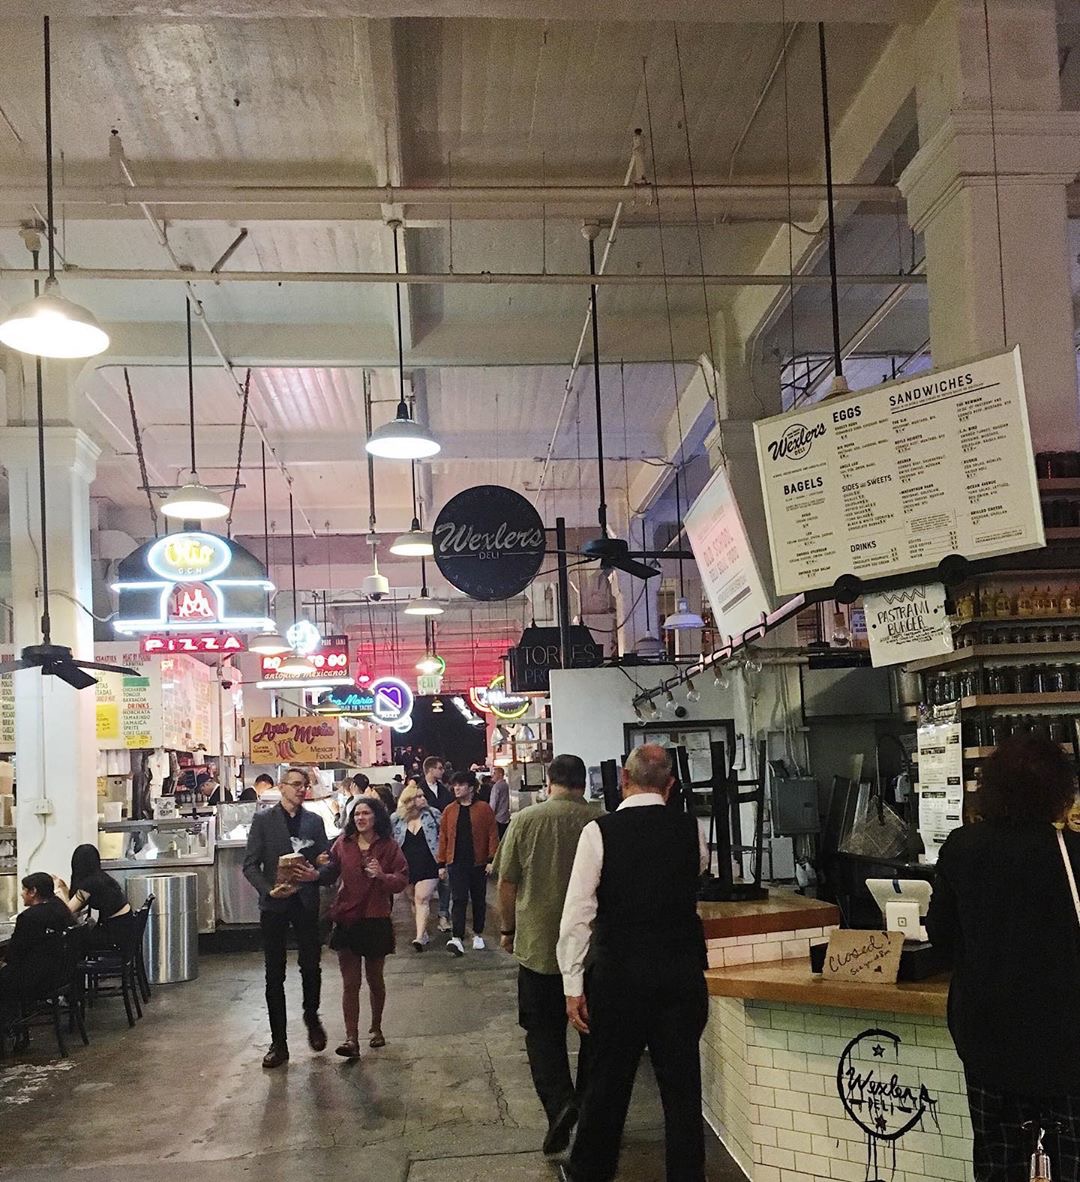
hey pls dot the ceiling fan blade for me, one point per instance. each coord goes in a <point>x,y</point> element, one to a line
<point>107,668</point>
<point>14,666</point>
<point>68,671</point>
<point>628,566</point>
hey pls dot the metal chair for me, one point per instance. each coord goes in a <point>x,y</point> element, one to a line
<point>142,917</point>
<point>120,967</point>
<point>63,1000</point>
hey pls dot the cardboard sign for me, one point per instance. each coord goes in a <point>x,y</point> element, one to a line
<point>863,958</point>
<point>906,624</point>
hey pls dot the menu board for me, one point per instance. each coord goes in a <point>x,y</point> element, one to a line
<point>125,714</point>
<point>306,738</point>
<point>941,775</point>
<point>187,713</point>
<point>7,704</point>
<point>725,558</point>
<point>896,478</point>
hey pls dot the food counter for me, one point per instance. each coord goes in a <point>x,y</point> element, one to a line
<point>811,1079</point>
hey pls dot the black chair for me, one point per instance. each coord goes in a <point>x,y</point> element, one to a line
<point>113,972</point>
<point>63,999</point>
<point>142,917</point>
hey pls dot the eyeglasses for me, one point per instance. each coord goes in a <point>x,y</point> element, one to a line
<point>296,783</point>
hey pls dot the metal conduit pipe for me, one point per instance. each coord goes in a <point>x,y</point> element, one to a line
<point>116,154</point>
<point>250,196</point>
<point>635,172</point>
<point>482,278</point>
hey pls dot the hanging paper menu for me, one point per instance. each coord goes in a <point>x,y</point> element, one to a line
<point>896,478</point>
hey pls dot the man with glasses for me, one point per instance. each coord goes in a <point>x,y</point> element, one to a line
<point>287,830</point>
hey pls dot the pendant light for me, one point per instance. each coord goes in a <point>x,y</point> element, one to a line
<point>272,643</point>
<point>417,542</point>
<point>403,438</point>
<point>839,383</point>
<point>193,501</point>
<point>423,605</point>
<point>682,617</point>
<point>295,664</point>
<point>50,325</point>
<point>375,585</point>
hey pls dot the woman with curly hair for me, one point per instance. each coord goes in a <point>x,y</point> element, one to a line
<point>371,870</point>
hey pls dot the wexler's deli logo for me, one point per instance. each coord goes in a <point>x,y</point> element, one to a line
<point>796,442</point>
<point>489,542</point>
<point>883,1097</point>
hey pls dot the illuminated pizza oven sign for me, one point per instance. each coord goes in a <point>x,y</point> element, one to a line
<point>189,556</point>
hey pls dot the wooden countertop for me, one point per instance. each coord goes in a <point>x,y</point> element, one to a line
<point>782,911</point>
<point>792,981</point>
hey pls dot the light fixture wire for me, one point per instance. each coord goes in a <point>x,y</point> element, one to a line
<point>191,387</point>
<point>834,291</point>
<point>997,178</point>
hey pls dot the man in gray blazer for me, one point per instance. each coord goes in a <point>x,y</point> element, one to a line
<point>288,828</point>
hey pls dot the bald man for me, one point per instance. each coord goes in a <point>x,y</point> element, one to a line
<point>632,904</point>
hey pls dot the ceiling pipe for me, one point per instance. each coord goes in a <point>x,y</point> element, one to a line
<point>120,164</point>
<point>481,278</point>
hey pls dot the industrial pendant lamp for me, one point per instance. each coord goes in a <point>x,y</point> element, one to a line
<point>423,605</point>
<point>403,438</point>
<point>682,617</point>
<point>193,501</point>
<point>295,664</point>
<point>49,325</point>
<point>272,643</point>
<point>417,542</point>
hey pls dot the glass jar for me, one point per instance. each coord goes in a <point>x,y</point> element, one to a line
<point>1000,729</point>
<point>1000,679</point>
<point>970,683</point>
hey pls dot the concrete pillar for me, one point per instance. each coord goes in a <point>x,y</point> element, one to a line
<point>56,747</point>
<point>953,200</point>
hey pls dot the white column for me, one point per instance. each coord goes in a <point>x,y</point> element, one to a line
<point>56,748</point>
<point>953,199</point>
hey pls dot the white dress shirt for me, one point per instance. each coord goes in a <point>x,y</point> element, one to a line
<point>579,910</point>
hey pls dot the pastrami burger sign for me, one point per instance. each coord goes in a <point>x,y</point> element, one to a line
<point>489,542</point>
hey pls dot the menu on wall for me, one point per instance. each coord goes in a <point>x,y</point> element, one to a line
<point>187,704</point>
<point>896,478</point>
<point>941,775</point>
<point>125,715</point>
<point>7,704</point>
<point>725,558</point>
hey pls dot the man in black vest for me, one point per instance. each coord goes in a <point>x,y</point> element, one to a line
<point>287,829</point>
<point>631,906</point>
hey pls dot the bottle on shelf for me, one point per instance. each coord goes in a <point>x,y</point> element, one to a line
<point>1002,603</point>
<point>1025,605</point>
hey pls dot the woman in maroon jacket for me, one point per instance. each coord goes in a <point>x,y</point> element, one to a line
<point>371,870</point>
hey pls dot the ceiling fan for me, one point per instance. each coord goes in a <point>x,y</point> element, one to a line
<point>54,660</point>
<point>612,553</point>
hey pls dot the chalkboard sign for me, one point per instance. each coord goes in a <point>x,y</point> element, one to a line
<point>489,542</point>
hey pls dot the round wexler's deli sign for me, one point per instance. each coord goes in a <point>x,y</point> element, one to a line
<point>489,542</point>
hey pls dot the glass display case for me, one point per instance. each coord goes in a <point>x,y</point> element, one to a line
<point>173,841</point>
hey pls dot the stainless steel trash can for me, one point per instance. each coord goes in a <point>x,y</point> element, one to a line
<point>171,945</point>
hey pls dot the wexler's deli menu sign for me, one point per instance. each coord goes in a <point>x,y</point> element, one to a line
<point>896,478</point>
<point>489,542</point>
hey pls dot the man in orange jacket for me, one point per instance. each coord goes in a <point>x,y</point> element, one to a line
<point>468,839</point>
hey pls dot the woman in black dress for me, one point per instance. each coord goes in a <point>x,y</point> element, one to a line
<point>93,890</point>
<point>416,828</point>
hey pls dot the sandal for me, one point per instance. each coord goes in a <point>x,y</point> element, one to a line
<point>348,1050</point>
<point>377,1039</point>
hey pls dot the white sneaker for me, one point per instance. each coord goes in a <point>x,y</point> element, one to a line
<point>478,943</point>
<point>444,924</point>
<point>455,946</point>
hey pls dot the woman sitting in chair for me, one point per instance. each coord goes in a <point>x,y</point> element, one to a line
<point>34,954</point>
<point>93,890</point>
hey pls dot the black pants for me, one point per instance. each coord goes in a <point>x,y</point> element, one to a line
<point>275,933</point>
<point>656,1002</point>
<point>542,1015</point>
<point>467,882</point>
<point>1002,1147</point>
<point>502,827</point>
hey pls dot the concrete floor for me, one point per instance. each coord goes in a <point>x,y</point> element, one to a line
<point>449,1097</point>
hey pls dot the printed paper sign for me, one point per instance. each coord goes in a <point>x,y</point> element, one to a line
<point>908,623</point>
<point>725,558</point>
<point>896,478</point>
<point>863,958</point>
<point>941,775</point>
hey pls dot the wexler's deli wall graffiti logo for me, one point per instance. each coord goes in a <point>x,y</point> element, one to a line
<point>884,1098</point>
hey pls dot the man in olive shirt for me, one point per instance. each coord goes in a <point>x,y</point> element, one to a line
<point>533,866</point>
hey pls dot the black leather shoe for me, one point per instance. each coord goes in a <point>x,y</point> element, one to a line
<point>275,1056</point>
<point>558,1134</point>
<point>316,1033</point>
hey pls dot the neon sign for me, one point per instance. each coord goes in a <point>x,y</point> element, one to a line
<point>494,699</point>
<point>393,700</point>
<point>210,642</point>
<point>304,637</point>
<point>330,666</point>
<point>353,703</point>
<point>189,556</point>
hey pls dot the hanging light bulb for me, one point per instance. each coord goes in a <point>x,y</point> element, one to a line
<point>268,644</point>
<point>692,693</point>
<point>754,663</point>
<point>430,664</point>
<point>194,502</point>
<point>416,543</point>
<point>683,617</point>
<point>423,605</point>
<point>650,710</point>
<point>296,665</point>
<point>403,438</point>
<point>50,325</point>
<point>670,705</point>
<point>720,677</point>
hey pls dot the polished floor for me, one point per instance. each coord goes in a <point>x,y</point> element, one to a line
<point>182,1096</point>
